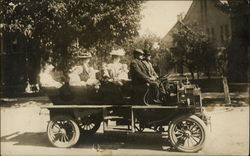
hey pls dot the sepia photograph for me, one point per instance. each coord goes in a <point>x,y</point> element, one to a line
<point>124,77</point>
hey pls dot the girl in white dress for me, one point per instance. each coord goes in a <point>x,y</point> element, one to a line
<point>46,79</point>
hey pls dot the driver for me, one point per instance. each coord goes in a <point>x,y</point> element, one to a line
<point>138,76</point>
<point>154,84</point>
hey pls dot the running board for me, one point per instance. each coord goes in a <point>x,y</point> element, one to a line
<point>108,130</point>
<point>112,117</point>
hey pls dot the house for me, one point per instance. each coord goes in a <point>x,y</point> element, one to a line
<point>209,18</point>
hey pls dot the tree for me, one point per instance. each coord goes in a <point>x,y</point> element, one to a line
<point>221,65</point>
<point>193,49</point>
<point>161,58</point>
<point>235,63</point>
<point>238,48</point>
<point>56,24</point>
<point>197,53</point>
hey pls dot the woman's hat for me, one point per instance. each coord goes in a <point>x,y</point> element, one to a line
<point>84,55</point>
<point>118,52</point>
<point>138,51</point>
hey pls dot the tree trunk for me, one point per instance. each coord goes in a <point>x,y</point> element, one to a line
<point>226,91</point>
<point>208,74</point>
<point>181,67</point>
<point>198,75</point>
<point>191,71</point>
<point>192,75</point>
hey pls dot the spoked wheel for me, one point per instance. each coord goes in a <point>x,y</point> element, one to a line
<point>63,131</point>
<point>89,125</point>
<point>187,133</point>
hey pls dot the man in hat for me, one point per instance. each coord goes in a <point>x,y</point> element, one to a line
<point>139,76</point>
<point>137,68</point>
<point>152,74</point>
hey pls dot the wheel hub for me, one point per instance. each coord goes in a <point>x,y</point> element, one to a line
<point>188,133</point>
<point>62,131</point>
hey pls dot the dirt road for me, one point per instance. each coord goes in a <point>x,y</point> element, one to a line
<point>23,132</point>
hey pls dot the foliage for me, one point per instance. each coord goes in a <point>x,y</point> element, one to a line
<point>56,24</point>
<point>193,49</point>
<point>237,51</point>
<point>146,41</point>
<point>161,58</point>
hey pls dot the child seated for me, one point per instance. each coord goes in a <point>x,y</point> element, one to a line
<point>46,79</point>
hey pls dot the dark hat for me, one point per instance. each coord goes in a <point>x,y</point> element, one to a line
<point>146,53</point>
<point>84,55</point>
<point>138,51</point>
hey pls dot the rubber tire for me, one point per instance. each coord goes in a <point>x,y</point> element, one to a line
<point>73,141</point>
<point>195,119</point>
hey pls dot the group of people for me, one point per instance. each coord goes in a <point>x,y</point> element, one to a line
<point>82,74</point>
<point>114,72</point>
<point>141,73</point>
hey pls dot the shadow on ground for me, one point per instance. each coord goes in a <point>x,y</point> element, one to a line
<point>24,102</point>
<point>29,138</point>
<point>98,141</point>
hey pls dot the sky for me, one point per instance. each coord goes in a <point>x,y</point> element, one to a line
<point>160,16</point>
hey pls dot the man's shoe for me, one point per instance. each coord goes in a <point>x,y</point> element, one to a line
<point>157,101</point>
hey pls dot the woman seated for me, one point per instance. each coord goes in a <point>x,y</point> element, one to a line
<point>116,72</point>
<point>83,74</point>
<point>115,76</point>
<point>74,77</point>
<point>46,78</point>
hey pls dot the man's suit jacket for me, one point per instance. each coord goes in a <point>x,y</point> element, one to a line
<point>150,69</point>
<point>138,72</point>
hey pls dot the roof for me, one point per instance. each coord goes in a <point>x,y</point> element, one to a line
<point>193,15</point>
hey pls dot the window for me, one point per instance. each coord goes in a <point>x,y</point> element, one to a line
<point>1,43</point>
<point>201,6</point>
<point>208,32</point>
<point>226,31</point>
<point>213,33</point>
<point>205,5</point>
<point>222,34</point>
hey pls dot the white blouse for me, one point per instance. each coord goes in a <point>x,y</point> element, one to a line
<point>116,71</point>
<point>75,80</point>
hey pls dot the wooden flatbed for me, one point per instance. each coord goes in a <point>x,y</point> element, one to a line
<point>105,107</point>
<point>114,106</point>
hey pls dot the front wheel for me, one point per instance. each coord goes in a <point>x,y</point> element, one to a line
<point>63,131</point>
<point>187,133</point>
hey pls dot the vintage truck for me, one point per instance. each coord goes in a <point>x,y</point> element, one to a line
<point>79,110</point>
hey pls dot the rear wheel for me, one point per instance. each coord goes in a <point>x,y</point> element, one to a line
<point>63,131</point>
<point>89,125</point>
<point>187,133</point>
